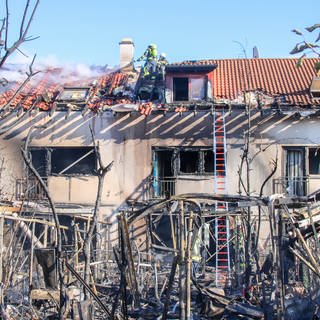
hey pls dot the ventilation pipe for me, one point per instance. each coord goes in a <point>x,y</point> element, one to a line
<point>255,52</point>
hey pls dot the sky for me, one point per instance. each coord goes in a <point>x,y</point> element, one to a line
<point>89,32</point>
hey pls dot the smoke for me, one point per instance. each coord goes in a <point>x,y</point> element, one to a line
<point>56,71</point>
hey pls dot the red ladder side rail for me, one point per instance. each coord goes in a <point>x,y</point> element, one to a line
<point>222,256</point>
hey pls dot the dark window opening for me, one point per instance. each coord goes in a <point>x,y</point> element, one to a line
<point>39,161</point>
<point>164,158</point>
<point>208,161</point>
<point>314,160</point>
<point>64,160</point>
<point>73,160</point>
<point>163,173</point>
<point>171,162</point>
<point>180,89</point>
<point>316,94</point>
<point>189,161</point>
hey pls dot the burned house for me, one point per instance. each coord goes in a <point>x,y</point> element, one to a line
<point>211,137</point>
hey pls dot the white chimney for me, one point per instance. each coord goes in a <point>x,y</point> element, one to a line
<point>126,54</point>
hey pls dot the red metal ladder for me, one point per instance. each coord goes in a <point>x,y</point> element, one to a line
<point>222,254</point>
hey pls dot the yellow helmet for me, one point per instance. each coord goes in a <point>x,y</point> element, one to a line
<point>153,46</point>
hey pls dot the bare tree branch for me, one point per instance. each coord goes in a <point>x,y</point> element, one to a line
<point>24,29</point>
<point>29,164</point>
<point>102,171</point>
<point>29,74</point>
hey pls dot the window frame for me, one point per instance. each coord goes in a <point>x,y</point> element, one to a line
<point>49,161</point>
<point>176,161</point>
<point>191,91</point>
<point>308,160</point>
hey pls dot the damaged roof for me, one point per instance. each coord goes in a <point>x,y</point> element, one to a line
<point>48,89</point>
<point>275,77</point>
<point>278,79</point>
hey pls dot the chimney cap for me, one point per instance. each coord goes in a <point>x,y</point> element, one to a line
<point>126,41</point>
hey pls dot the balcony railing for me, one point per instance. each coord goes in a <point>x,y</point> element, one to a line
<point>297,186</point>
<point>29,188</point>
<point>164,187</point>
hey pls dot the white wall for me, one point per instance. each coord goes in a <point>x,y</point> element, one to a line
<point>128,140</point>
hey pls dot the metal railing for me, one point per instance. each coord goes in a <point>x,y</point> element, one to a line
<point>29,188</point>
<point>292,186</point>
<point>164,187</point>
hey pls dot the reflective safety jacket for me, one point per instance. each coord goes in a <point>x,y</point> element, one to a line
<point>149,54</point>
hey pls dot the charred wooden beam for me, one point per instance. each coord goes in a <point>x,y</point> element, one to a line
<point>96,298</point>
<point>128,251</point>
<point>169,287</point>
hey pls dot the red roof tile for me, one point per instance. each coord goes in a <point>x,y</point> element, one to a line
<point>49,82</point>
<point>277,77</point>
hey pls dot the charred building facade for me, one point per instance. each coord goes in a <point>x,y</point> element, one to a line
<point>206,158</point>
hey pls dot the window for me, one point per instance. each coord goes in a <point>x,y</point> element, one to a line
<point>39,161</point>
<point>73,161</point>
<point>197,89</point>
<point>189,161</point>
<point>180,89</point>
<point>314,160</point>
<point>170,162</point>
<point>315,87</point>
<point>208,161</point>
<point>64,160</point>
<point>73,94</point>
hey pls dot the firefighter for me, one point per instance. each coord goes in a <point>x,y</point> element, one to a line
<point>150,55</point>
<point>162,62</point>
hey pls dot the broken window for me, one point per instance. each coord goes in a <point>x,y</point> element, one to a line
<point>39,161</point>
<point>78,160</point>
<point>314,161</point>
<point>208,159</point>
<point>180,89</point>
<point>189,161</point>
<point>163,172</point>
<point>170,162</point>
<point>64,160</point>
<point>73,94</point>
